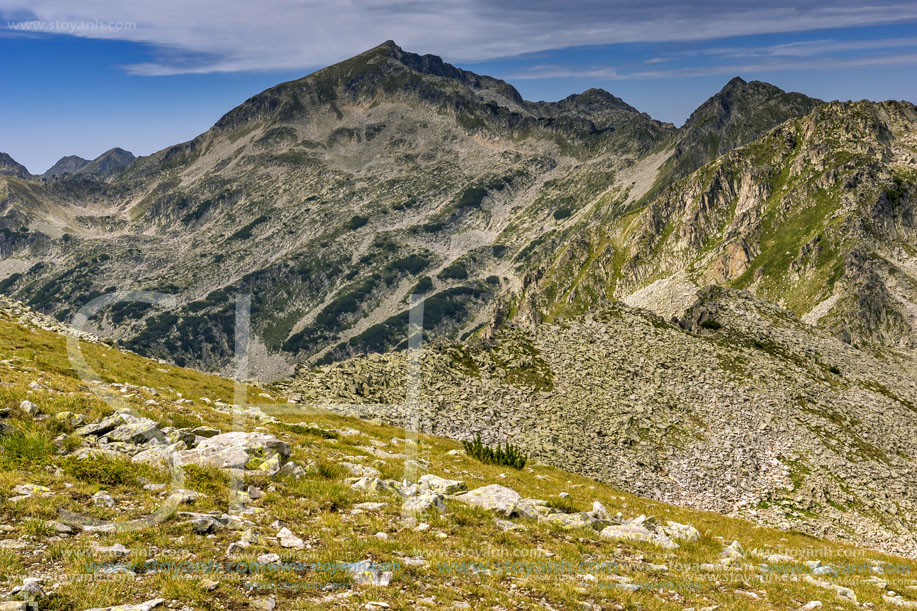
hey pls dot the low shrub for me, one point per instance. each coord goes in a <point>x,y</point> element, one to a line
<point>508,455</point>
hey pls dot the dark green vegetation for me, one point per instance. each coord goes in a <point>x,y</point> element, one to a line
<point>505,455</point>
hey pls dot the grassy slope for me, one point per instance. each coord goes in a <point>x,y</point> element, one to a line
<point>318,509</point>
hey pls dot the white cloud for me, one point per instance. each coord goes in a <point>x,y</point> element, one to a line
<point>232,35</point>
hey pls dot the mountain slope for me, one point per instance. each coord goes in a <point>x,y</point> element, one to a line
<point>739,113</point>
<point>332,198</point>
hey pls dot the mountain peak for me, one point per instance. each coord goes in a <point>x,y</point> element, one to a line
<point>11,167</point>
<point>66,165</point>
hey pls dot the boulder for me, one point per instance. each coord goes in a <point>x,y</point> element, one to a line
<point>370,485</point>
<point>684,532</point>
<point>441,485</point>
<point>532,508</point>
<point>287,539</point>
<point>639,529</point>
<point>568,521</point>
<point>69,419</point>
<point>29,408</point>
<point>236,450</point>
<point>422,503</point>
<point>494,497</point>
<point>159,456</point>
<point>599,512</point>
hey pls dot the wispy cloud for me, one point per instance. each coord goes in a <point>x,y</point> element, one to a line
<point>235,35</point>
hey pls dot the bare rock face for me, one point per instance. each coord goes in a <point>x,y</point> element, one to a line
<point>236,450</point>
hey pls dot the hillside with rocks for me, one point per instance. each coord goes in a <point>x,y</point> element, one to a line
<point>147,486</point>
<point>736,407</point>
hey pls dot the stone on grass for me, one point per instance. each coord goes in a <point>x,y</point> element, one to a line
<point>366,573</point>
<point>370,484</point>
<point>236,450</point>
<point>29,408</point>
<point>599,512</point>
<point>494,497</point>
<point>532,508</point>
<point>103,499</point>
<point>568,521</point>
<point>144,606</point>
<point>441,485</point>
<point>116,550</point>
<point>287,539</point>
<point>418,505</point>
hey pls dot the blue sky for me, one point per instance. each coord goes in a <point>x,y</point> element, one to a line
<point>142,76</point>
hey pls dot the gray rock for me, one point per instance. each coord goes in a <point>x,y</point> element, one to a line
<point>29,408</point>
<point>440,485</point>
<point>366,573</point>
<point>117,550</point>
<point>29,590</point>
<point>568,521</point>
<point>532,508</point>
<point>494,497</point>
<point>418,505</point>
<point>236,450</point>
<point>370,485</point>
<point>287,539</point>
<point>144,606</point>
<point>103,499</point>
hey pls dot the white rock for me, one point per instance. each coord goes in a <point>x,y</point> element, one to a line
<point>287,539</point>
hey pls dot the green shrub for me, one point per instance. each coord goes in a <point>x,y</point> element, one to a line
<point>423,285</point>
<point>472,197</point>
<point>356,222</point>
<point>508,455</point>
<point>562,213</point>
<point>711,325</point>
<point>833,369</point>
